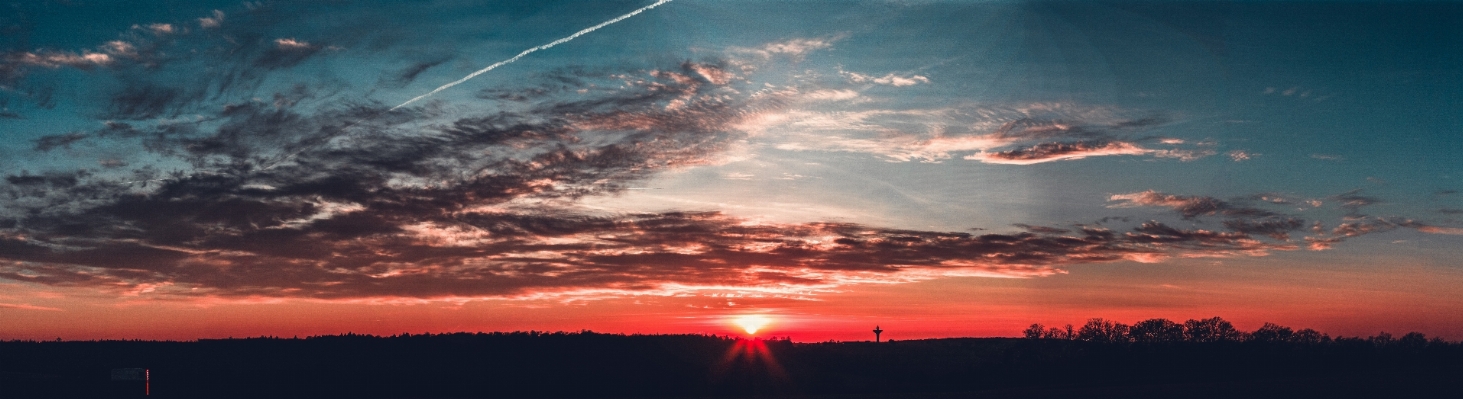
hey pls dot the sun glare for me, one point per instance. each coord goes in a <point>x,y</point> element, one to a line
<point>752,323</point>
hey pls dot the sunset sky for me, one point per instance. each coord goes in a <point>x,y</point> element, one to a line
<point>183,170</point>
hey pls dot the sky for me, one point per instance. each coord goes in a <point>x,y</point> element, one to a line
<point>207,169</point>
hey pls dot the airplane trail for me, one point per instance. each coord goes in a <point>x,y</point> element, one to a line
<point>529,51</point>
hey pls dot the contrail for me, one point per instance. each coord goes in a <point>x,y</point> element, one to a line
<point>529,51</point>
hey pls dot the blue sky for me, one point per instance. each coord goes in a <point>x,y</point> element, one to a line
<point>209,152</point>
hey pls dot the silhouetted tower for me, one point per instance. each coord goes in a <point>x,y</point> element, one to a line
<point>877,331</point>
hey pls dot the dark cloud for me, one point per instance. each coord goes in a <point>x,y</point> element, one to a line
<point>149,101</point>
<point>1188,206</point>
<point>54,179</point>
<point>1276,227</point>
<point>364,255</point>
<point>1355,226</point>
<point>407,75</point>
<point>1055,128</point>
<point>1067,150</point>
<point>1248,220</point>
<point>47,143</point>
<point>10,115</point>
<point>286,53</point>
<point>1353,201</point>
<point>293,96</point>
<point>1044,139</point>
<point>1041,229</point>
<point>1451,211</point>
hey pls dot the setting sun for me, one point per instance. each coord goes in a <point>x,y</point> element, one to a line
<point>752,323</point>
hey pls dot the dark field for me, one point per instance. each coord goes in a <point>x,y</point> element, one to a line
<point>591,365</point>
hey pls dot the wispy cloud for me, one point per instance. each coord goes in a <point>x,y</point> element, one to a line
<point>1059,151</point>
<point>889,79</point>
<point>794,48</point>
<point>1015,135</point>
<point>159,29</point>
<point>1441,230</point>
<point>21,306</point>
<point>1252,220</point>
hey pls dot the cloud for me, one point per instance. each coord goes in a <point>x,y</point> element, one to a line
<point>1058,151</point>
<point>356,201</point>
<point>888,80</point>
<point>1189,206</point>
<point>21,306</point>
<point>1016,135</point>
<point>380,184</point>
<point>410,73</point>
<point>286,52</point>
<point>149,101</point>
<point>831,95</point>
<point>1354,227</point>
<point>1277,227</point>
<point>57,59</point>
<point>15,65</point>
<point>1441,230</point>
<point>288,44</point>
<point>223,62</point>
<point>1041,229</point>
<point>1250,220</point>
<point>245,189</point>
<point>47,143</point>
<point>130,48</point>
<point>478,254</point>
<point>1353,201</point>
<point>211,22</point>
<point>795,48</point>
<point>159,29</point>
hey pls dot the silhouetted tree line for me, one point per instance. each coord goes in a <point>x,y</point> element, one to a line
<point>1153,358</point>
<point>1214,329</point>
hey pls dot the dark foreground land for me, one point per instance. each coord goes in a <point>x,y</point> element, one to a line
<point>590,365</point>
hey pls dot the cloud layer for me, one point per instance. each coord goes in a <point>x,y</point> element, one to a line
<point>230,187</point>
<point>358,201</point>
